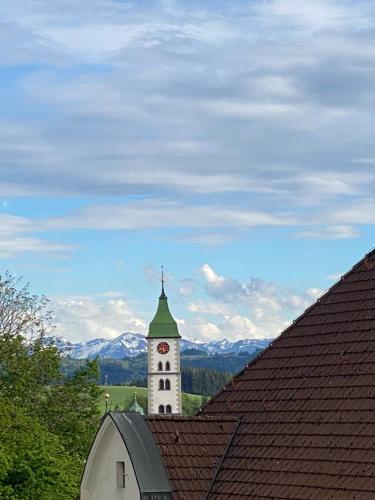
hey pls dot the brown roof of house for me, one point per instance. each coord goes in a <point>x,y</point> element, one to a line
<point>191,448</point>
<point>307,404</point>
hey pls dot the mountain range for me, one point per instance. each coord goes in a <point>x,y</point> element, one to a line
<point>131,344</point>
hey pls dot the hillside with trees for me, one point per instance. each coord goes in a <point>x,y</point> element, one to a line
<point>202,373</point>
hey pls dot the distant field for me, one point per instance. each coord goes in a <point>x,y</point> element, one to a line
<point>123,397</point>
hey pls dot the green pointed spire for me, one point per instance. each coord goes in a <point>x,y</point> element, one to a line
<point>136,407</point>
<point>163,325</point>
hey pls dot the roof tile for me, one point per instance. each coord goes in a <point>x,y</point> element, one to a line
<point>191,459</point>
<point>307,404</point>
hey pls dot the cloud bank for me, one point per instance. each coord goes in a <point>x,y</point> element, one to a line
<point>259,108</point>
<point>228,309</point>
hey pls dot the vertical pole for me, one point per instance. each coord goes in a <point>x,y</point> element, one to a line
<point>106,395</point>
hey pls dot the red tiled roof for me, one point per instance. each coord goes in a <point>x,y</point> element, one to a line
<point>191,448</point>
<point>307,404</point>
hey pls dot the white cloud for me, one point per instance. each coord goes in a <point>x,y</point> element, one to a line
<point>334,277</point>
<point>211,276</point>
<point>141,215</point>
<point>250,309</point>
<point>361,212</point>
<point>254,291</point>
<point>12,224</point>
<point>15,239</point>
<point>207,238</point>
<point>182,102</point>
<point>200,328</point>
<point>239,327</point>
<point>230,309</point>
<point>314,293</point>
<point>11,247</point>
<point>87,317</point>
<point>250,110</point>
<point>186,287</point>
<point>342,232</point>
<point>209,308</point>
<point>316,15</point>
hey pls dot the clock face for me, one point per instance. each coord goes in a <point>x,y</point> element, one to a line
<point>163,348</point>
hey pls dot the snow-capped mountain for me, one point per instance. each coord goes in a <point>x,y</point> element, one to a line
<point>131,344</point>
<point>225,346</point>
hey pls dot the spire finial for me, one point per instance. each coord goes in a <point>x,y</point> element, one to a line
<point>106,394</point>
<point>162,283</point>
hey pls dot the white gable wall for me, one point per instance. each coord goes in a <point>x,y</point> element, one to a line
<point>99,481</point>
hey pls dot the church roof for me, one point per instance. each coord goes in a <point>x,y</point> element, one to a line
<point>145,457</point>
<point>307,404</point>
<point>163,325</point>
<point>136,407</point>
<point>191,449</point>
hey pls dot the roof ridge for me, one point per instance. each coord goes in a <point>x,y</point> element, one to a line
<point>190,418</point>
<point>220,463</point>
<point>289,327</point>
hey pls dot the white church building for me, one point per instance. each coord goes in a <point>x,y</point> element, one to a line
<point>124,462</point>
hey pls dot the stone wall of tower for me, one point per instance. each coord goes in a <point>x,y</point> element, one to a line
<point>156,396</point>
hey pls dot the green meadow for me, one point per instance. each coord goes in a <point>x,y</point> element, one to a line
<point>121,397</point>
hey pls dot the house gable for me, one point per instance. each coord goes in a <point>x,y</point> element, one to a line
<point>99,479</point>
<point>126,439</point>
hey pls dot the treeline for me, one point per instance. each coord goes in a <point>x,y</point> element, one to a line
<point>203,381</point>
<point>47,421</point>
<point>231,363</point>
<point>195,381</point>
<point>116,371</point>
<point>201,373</point>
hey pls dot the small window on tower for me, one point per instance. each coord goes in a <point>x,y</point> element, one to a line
<point>167,385</point>
<point>161,409</point>
<point>168,409</point>
<point>167,366</point>
<point>120,474</point>
<point>160,366</point>
<point>161,385</point>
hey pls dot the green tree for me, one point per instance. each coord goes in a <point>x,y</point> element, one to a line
<point>203,381</point>
<point>33,463</point>
<point>26,370</point>
<point>72,408</point>
<point>53,418</point>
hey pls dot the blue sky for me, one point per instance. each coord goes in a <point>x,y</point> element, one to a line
<point>230,141</point>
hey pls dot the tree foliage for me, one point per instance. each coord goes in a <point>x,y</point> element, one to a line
<point>21,312</point>
<point>33,462</point>
<point>72,410</point>
<point>47,421</point>
<point>203,381</point>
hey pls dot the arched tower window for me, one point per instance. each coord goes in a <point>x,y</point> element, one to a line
<point>161,385</point>
<point>168,409</point>
<point>160,366</point>
<point>161,408</point>
<point>167,366</point>
<point>167,385</point>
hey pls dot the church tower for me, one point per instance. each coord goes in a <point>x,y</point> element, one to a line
<point>164,372</point>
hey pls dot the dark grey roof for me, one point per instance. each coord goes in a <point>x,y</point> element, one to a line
<point>144,454</point>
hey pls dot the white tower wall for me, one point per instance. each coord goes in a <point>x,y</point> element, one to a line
<point>157,396</point>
